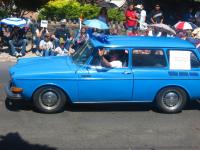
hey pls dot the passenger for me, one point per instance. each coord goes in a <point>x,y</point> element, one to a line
<point>46,46</point>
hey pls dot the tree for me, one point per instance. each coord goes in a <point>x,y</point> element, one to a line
<point>20,7</point>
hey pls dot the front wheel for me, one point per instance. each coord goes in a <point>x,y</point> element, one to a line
<point>171,100</point>
<point>49,99</point>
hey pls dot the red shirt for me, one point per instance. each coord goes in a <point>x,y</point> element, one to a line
<point>133,15</point>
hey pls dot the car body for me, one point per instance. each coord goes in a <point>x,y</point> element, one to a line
<point>147,75</point>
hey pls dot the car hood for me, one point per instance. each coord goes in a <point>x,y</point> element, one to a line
<point>43,65</point>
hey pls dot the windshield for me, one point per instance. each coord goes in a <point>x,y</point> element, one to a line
<point>82,54</point>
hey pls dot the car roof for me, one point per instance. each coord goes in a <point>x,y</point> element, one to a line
<point>142,42</point>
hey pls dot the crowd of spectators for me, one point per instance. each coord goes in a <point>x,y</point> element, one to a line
<point>64,41</point>
<point>60,42</point>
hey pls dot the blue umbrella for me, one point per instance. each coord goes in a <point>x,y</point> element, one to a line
<point>19,22</point>
<point>95,23</point>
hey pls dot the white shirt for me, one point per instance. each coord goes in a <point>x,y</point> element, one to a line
<point>143,15</point>
<point>47,45</point>
<point>116,64</point>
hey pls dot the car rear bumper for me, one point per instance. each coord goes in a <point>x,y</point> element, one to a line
<point>11,95</point>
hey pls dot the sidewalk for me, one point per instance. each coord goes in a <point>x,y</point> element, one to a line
<point>5,57</point>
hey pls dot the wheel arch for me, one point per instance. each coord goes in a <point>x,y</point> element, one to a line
<point>173,86</point>
<point>68,99</point>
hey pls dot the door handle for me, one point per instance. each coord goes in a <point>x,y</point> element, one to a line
<point>127,72</point>
<point>85,76</point>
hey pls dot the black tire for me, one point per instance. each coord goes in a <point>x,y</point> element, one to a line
<point>171,100</point>
<point>49,99</point>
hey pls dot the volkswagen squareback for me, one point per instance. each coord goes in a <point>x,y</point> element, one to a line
<point>116,69</point>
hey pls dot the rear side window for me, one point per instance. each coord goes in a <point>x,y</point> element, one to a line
<point>194,61</point>
<point>149,58</point>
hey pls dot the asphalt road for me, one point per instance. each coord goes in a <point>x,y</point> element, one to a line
<point>99,127</point>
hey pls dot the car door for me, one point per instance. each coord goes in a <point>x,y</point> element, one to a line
<point>150,73</point>
<point>102,84</point>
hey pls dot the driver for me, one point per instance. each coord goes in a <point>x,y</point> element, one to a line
<point>114,61</point>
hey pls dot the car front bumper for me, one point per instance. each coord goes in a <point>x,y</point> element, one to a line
<point>11,95</point>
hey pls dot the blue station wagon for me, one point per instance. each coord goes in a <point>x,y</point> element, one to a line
<point>116,69</point>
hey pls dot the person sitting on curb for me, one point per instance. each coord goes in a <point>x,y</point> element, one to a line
<point>61,50</point>
<point>37,37</point>
<point>46,46</point>
<point>18,39</point>
<point>61,32</point>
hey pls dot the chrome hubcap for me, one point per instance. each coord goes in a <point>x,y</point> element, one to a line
<point>49,99</point>
<point>171,99</point>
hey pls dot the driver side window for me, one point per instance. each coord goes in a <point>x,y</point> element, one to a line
<point>110,58</point>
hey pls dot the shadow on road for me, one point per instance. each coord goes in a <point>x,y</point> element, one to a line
<point>109,107</point>
<point>28,106</point>
<point>15,141</point>
<point>18,106</point>
<point>194,105</point>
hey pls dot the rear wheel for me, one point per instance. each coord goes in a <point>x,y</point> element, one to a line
<point>171,100</point>
<point>49,99</point>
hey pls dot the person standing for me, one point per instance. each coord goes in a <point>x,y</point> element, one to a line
<point>157,15</point>
<point>103,15</point>
<point>188,16</point>
<point>197,17</point>
<point>142,17</point>
<point>131,19</point>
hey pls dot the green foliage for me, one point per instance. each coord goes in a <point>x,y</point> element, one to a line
<point>90,11</point>
<point>3,14</point>
<point>19,7</point>
<point>71,9</point>
<point>116,15</point>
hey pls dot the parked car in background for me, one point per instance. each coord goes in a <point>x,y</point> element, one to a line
<point>118,69</point>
